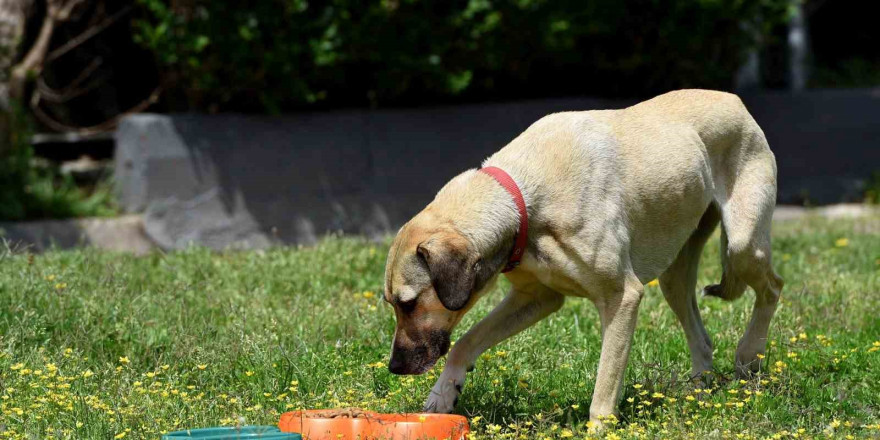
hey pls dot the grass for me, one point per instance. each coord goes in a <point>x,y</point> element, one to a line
<point>99,345</point>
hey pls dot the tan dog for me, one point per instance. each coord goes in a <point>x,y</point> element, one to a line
<point>615,199</point>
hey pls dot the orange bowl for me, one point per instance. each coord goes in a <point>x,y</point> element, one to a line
<point>313,425</point>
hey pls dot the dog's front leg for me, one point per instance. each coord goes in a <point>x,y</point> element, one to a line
<point>518,311</point>
<point>618,312</point>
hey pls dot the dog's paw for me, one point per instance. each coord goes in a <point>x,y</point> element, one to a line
<point>713,290</point>
<point>748,364</point>
<point>598,424</point>
<point>444,396</point>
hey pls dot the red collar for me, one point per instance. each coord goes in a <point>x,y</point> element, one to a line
<point>519,246</point>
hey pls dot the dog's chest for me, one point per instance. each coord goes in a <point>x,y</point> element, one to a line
<point>550,275</point>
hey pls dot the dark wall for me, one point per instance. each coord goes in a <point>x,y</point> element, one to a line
<point>249,181</point>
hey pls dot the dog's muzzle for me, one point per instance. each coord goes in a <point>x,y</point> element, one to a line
<point>421,357</point>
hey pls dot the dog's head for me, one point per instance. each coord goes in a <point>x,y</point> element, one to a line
<point>433,276</point>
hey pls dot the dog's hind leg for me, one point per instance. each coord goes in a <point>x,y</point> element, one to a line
<point>746,214</point>
<point>678,284</point>
<point>517,312</point>
<point>750,260</point>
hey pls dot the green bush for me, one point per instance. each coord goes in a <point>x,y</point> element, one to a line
<point>279,55</point>
<point>30,190</point>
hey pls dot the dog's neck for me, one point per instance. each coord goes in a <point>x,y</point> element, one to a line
<point>485,213</point>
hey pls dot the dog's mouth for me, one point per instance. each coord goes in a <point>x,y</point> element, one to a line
<point>421,358</point>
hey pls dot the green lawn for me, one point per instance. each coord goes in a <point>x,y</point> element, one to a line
<point>100,345</point>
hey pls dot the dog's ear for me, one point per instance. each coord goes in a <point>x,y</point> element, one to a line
<point>453,272</point>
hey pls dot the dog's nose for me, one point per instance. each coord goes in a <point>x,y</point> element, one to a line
<point>396,365</point>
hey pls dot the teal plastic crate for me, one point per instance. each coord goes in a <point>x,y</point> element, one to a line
<point>231,433</point>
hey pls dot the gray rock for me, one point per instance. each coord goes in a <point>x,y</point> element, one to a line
<point>203,220</point>
<point>124,234</point>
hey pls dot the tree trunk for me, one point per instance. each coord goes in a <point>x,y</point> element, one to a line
<point>13,15</point>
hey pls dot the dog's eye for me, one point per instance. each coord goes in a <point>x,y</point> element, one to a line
<point>407,306</point>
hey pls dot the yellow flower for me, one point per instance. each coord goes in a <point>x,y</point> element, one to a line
<point>368,294</point>
<point>566,433</point>
<point>422,419</point>
<point>202,366</point>
<point>654,283</point>
<point>841,242</point>
<point>248,373</point>
<point>123,360</point>
<point>637,386</point>
<point>119,436</point>
<point>79,424</point>
<point>87,374</point>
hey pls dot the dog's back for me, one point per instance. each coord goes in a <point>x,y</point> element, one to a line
<point>719,118</point>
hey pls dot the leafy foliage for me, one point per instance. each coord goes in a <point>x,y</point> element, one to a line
<point>286,54</point>
<point>29,190</point>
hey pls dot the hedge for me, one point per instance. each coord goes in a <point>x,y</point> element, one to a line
<point>281,55</point>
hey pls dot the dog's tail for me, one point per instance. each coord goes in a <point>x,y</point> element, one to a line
<point>745,196</point>
<point>731,286</point>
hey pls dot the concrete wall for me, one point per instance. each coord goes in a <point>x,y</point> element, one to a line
<point>242,181</point>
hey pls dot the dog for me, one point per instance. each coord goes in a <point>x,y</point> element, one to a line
<point>601,203</point>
